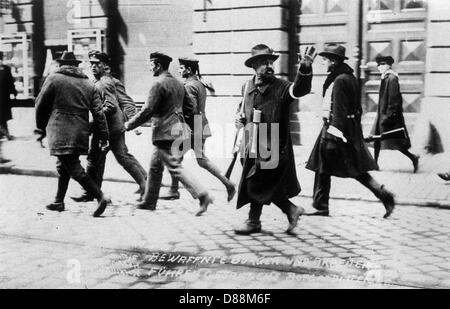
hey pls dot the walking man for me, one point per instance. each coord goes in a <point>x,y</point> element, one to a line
<point>189,70</point>
<point>390,113</point>
<point>62,109</point>
<point>165,104</point>
<point>6,89</point>
<point>270,179</point>
<point>115,115</point>
<point>340,149</point>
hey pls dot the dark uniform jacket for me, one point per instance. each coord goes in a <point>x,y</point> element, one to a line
<point>6,89</point>
<point>108,94</point>
<point>165,103</point>
<point>197,93</point>
<point>62,109</point>
<point>390,113</point>
<point>261,184</point>
<point>331,155</point>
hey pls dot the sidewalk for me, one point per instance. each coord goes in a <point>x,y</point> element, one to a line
<point>423,188</point>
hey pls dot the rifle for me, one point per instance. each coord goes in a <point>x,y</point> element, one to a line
<point>397,133</point>
<point>238,137</point>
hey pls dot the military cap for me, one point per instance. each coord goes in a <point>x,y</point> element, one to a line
<point>98,56</point>
<point>160,57</point>
<point>387,59</point>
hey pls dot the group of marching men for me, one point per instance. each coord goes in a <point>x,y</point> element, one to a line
<point>68,96</point>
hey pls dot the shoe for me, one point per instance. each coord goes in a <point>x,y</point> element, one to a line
<point>293,219</point>
<point>170,196</point>
<point>146,206</point>
<point>83,199</point>
<point>388,202</point>
<point>4,161</point>
<point>204,203</point>
<point>56,207</point>
<point>249,228</point>
<point>140,198</point>
<point>416,163</point>
<point>445,176</point>
<point>318,213</point>
<point>102,204</point>
<point>231,190</point>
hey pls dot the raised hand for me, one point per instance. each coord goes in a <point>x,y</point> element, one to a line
<point>307,59</point>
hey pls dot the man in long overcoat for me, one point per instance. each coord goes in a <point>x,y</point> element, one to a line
<point>6,89</point>
<point>62,110</point>
<point>390,113</point>
<point>115,116</point>
<point>262,182</point>
<point>189,70</point>
<point>165,106</point>
<point>340,149</point>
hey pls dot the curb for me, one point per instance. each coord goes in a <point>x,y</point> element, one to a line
<point>441,204</point>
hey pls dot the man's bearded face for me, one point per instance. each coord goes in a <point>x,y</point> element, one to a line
<point>264,68</point>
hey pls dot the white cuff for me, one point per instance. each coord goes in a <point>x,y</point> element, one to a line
<point>337,133</point>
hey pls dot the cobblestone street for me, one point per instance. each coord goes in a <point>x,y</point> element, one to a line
<point>171,248</point>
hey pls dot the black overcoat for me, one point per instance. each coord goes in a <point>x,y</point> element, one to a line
<point>6,89</point>
<point>331,155</point>
<point>390,113</point>
<point>260,183</point>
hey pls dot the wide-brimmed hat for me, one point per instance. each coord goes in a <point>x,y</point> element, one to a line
<point>98,56</point>
<point>261,51</point>
<point>387,59</point>
<point>334,50</point>
<point>68,58</point>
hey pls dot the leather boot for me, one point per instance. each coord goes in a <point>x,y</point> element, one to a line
<point>84,198</point>
<point>102,204</point>
<point>170,195</point>
<point>60,207</point>
<point>386,197</point>
<point>388,201</point>
<point>253,224</point>
<point>205,201</point>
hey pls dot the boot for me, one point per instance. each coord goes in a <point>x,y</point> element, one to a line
<point>386,197</point>
<point>231,191</point>
<point>60,207</point>
<point>445,176</point>
<point>171,195</point>
<point>205,200</point>
<point>249,228</point>
<point>102,204</point>
<point>84,198</point>
<point>253,224</point>
<point>146,206</point>
<point>293,216</point>
<point>415,161</point>
<point>388,201</point>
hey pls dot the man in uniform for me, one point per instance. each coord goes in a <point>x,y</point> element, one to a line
<point>115,115</point>
<point>166,102</point>
<point>340,149</point>
<point>62,109</point>
<point>189,70</point>
<point>263,183</point>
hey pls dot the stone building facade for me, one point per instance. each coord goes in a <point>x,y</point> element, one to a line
<point>220,34</point>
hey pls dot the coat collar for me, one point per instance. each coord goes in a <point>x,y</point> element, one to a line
<point>388,72</point>
<point>252,86</point>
